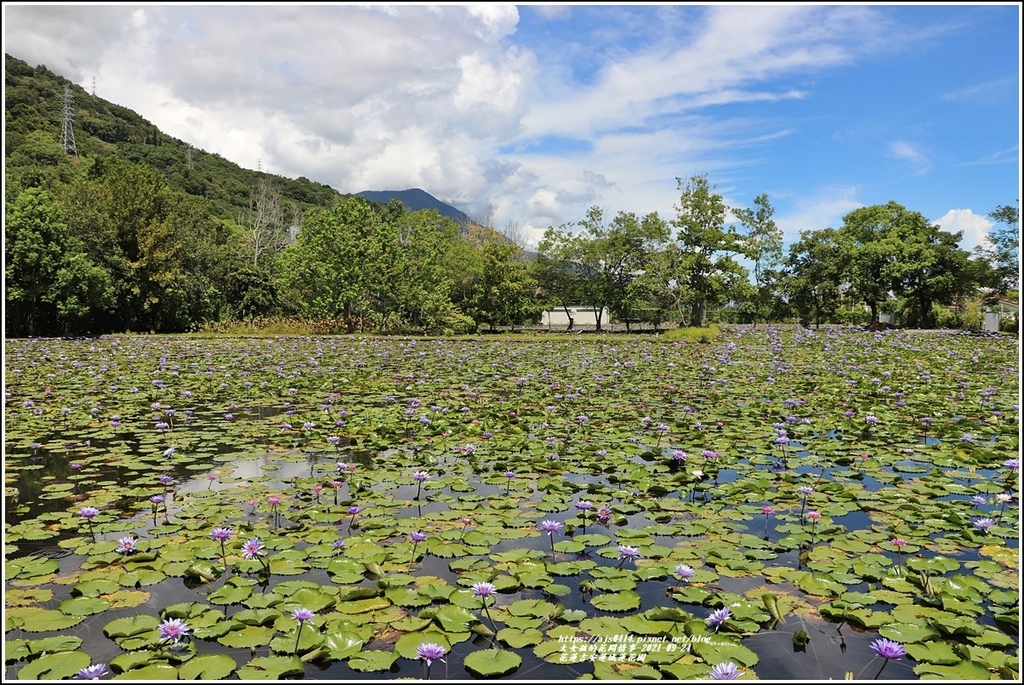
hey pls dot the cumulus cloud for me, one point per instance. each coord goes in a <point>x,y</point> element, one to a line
<point>975,227</point>
<point>455,100</point>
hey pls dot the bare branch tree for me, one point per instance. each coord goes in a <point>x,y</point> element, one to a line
<point>515,233</point>
<point>266,229</point>
<point>487,218</point>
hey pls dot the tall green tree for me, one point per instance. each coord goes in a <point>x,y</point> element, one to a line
<point>890,251</point>
<point>627,247</point>
<point>559,283</point>
<point>570,259</point>
<point>705,265</point>
<point>762,244</point>
<point>51,286</point>
<point>155,243</point>
<point>505,293</point>
<point>336,261</point>
<point>416,289</point>
<point>599,263</point>
<point>1002,250</point>
<point>813,275</point>
<point>932,269</point>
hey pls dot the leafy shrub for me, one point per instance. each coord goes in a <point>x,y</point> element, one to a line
<point>694,334</point>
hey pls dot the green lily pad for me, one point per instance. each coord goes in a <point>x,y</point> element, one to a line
<point>407,645</point>
<point>37,620</point>
<point>248,636</point>
<point>271,668</point>
<point>373,660</point>
<point>490,663</point>
<point>150,672</point>
<point>617,601</point>
<point>207,667</point>
<point>84,606</point>
<point>230,594</point>
<point>963,671</point>
<point>342,645</point>
<point>455,619</point>
<point>520,637</point>
<point>57,666</point>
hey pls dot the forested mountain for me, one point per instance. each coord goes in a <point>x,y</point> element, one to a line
<point>416,199</point>
<point>34,103</point>
<point>112,225</point>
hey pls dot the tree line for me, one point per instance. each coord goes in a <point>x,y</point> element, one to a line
<point>139,232</point>
<point>116,249</point>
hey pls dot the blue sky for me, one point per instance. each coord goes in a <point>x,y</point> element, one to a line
<point>528,115</point>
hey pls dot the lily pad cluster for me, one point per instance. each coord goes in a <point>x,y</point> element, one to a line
<point>609,507</point>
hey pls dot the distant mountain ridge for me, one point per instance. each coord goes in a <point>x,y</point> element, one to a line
<point>416,199</point>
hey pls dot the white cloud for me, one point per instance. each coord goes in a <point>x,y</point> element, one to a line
<point>911,154</point>
<point>974,226</point>
<point>985,93</point>
<point>823,210</point>
<point>435,96</point>
<point>552,12</point>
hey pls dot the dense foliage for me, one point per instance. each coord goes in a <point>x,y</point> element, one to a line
<point>120,227</point>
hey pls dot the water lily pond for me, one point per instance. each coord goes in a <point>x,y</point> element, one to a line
<point>779,504</point>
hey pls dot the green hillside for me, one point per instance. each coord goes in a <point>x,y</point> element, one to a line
<point>120,227</point>
<point>34,103</point>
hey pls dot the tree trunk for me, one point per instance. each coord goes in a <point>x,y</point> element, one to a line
<point>698,314</point>
<point>926,312</point>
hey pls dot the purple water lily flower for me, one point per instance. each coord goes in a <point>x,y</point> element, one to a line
<point>549,527</point>
<point>718,617</point>
<point>983,524</point>
<point>430,652</point>
<point>684,572</point>
<point>94,672</point>
<point>303,615</point>
<point>725,671</point>
<point>253,548</point>
<point>173,630</point>
<point>627,553</point>
<point>126,545</point>
<point>888,649</point>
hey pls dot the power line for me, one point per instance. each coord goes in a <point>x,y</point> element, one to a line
<point>67,132</point>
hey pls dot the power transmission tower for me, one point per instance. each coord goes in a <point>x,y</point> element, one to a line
<point>67,133</point>
<point>188,157</point>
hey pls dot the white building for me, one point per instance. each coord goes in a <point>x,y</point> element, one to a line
<point>582,315</point>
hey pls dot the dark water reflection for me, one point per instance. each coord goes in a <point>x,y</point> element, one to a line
<point>830,653</point>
